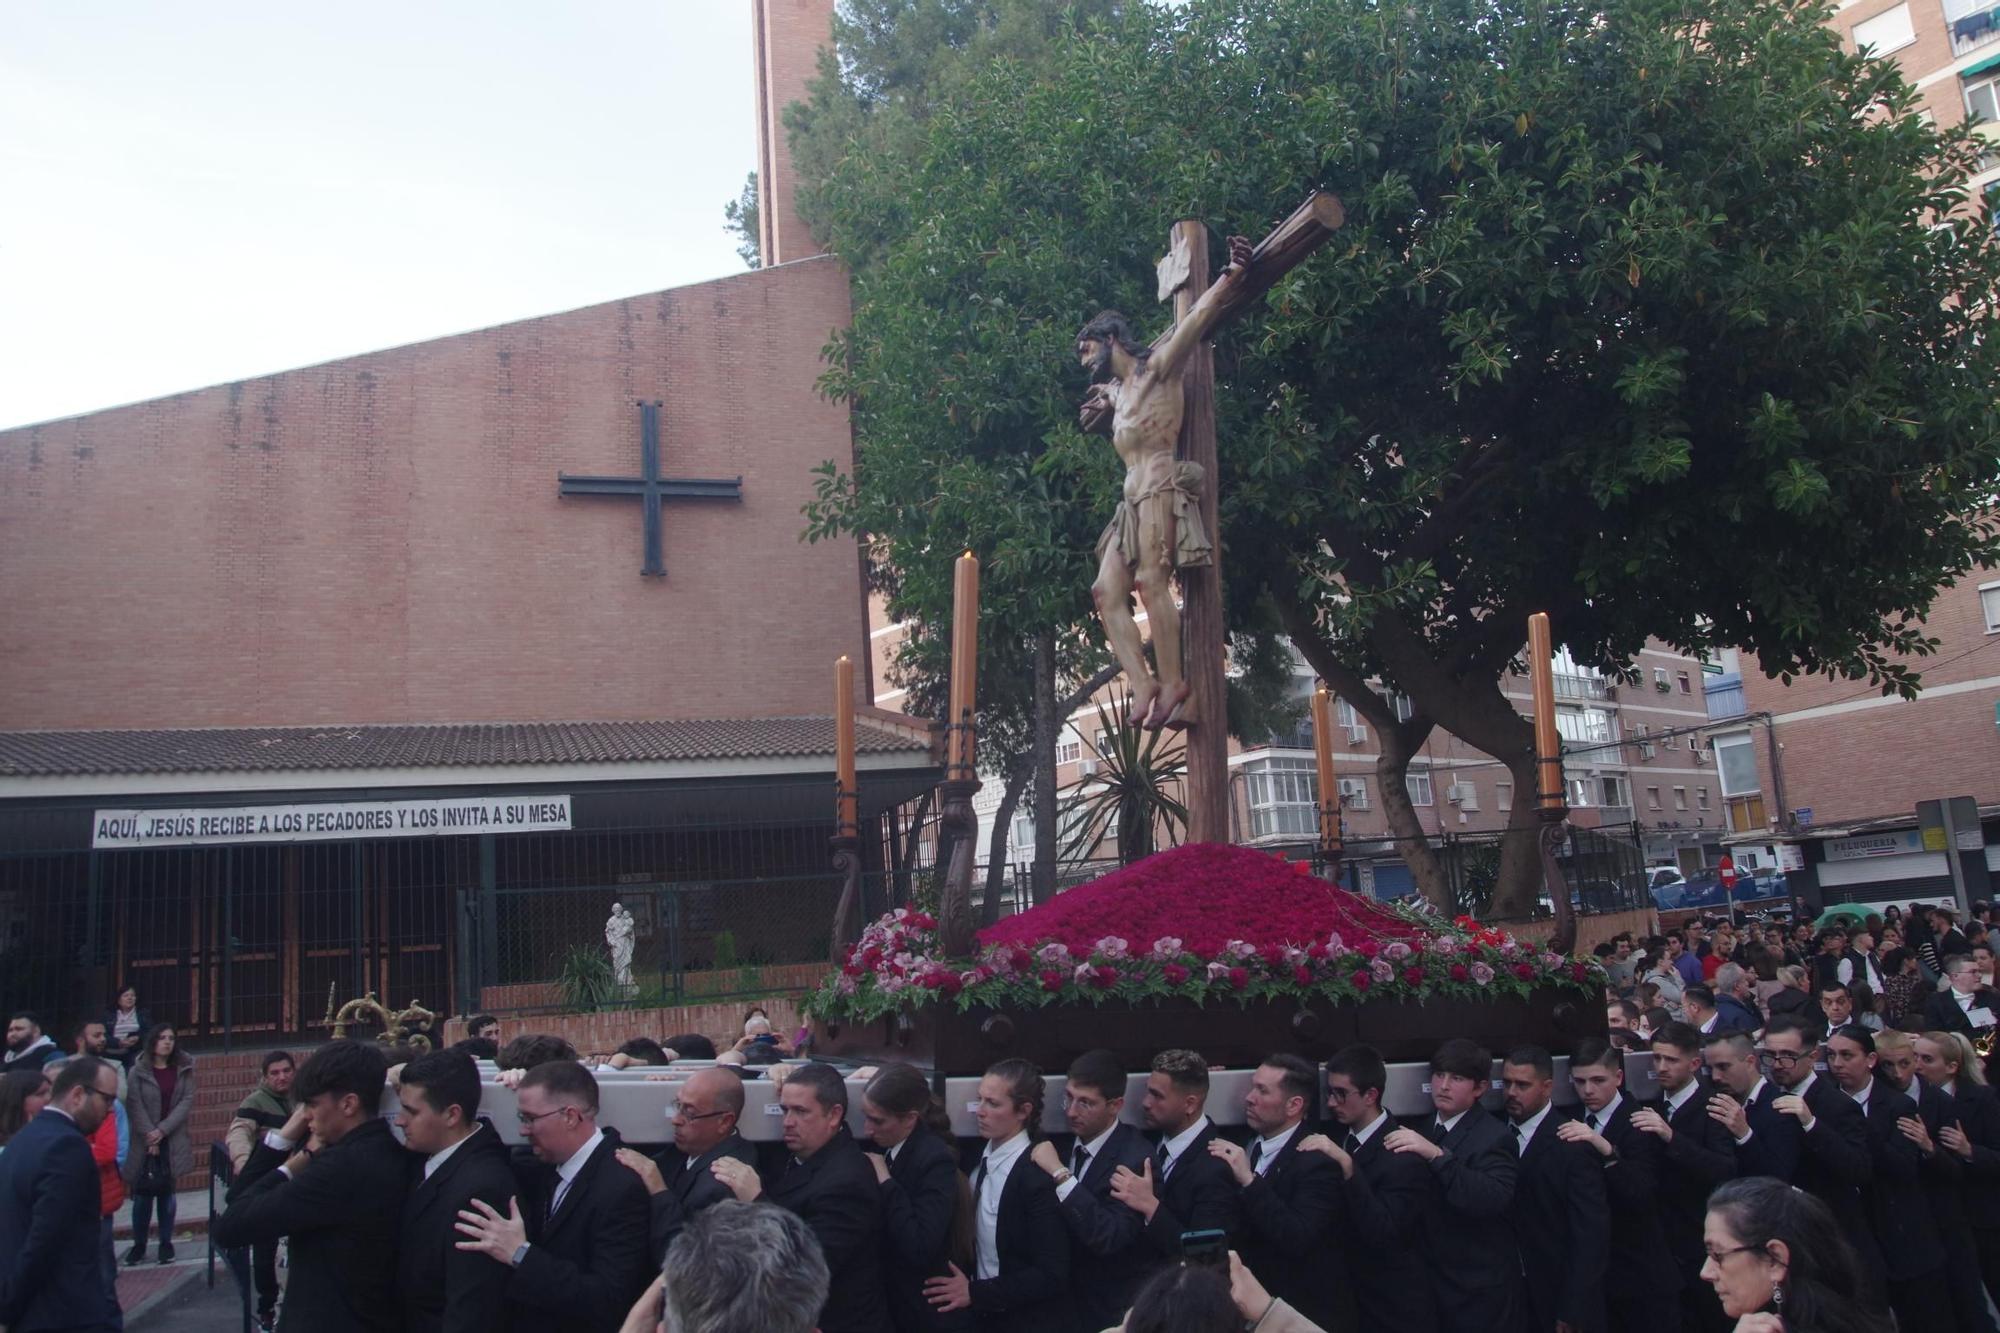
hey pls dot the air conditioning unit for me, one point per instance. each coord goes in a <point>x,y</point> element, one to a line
<point>1086,767</point>
<point>1356,735</point>
<point>1463,794</point>
<point>1646,749</point>
<point>1700,755</point>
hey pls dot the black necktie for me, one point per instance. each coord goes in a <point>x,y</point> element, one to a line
<point>1160,1160</point>
<point>1591,1120</point>
<point>1079,1160</point>
<point>978,1177</point>
<point>1437,1131</point>
<point>1256,1153</point>
<point>1352,1143</point>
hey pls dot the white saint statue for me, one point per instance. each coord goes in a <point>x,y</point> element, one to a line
<point>618,937</point>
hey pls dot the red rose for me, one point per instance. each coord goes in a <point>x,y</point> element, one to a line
<point>1020,960</point>
<point>850,971</point>
<point>1316,952</point>
<point>1274,954</point>
<point>948,984</point>
<point>1052,981</point>
<point>1460,972</point>
<point>1303,975</point>
<point>1579,971</point>
<point>1104,978</point>
<point>1361,980</point>
<point>1413,976</point>
<point>1238,978</point>
<point>1367,948</point>
<point>1524,971</point>
<point>1174,974</point>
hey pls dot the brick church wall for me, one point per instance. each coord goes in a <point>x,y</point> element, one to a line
<point>380,539</point>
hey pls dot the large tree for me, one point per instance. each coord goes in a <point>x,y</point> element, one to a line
<point>1666,318</point>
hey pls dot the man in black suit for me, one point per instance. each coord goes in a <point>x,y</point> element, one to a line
<point>1384,1196</point>
<point>1180,1187</point>
<point>707,1110</point>
<point>1642,1283</point>
<point>575,1237</point>
<point>445,1289</point>
<point>1894,1202</point>
<point>1561,1218</point>
<point>1944,1179</point>
<point>828,1182</point>
<point>1110,1260</point>
<point>1290,1199</point>
<point>333,1180</point>
<point>1968,1006</point>
<point>1698,1156</point>
<point>1468,1224</point>
<point>50,1247</point>
<point>1812,1136</point>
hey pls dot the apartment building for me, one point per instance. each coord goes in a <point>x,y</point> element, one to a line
<point>1950,49</point>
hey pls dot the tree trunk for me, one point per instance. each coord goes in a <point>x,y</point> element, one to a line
<point>1520,880</point>
<point>1048,726</point>
<point>1400,742</point>
<point>1019,770</point>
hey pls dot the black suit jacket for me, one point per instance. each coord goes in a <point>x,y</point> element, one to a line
<point>590,1259</point>
<point>1385,1204</point>
<point>1942,1014</point>
<point>1032,1245</point>
<point>1977,1112</point>
<point>1562,1224</point>
<point>1290,1215</point>
<point>1199,1194</point>
<point>445,1289</point>
<point>691,1187</point>
<point>919,1205</point>
<point>835,1192</point>
<point>1831,1162</point>
<point>1469,1227</point>
<point>1943,1172</point>
<point>1111,1258</point>
<point>343,1212</point>
<point>1894,1200</point>
<point>49,1277</point>
<point>1700,1156</point>
<point>1632,1183</point>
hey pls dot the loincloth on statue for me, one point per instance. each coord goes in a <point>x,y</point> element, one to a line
<point>1181,492</point>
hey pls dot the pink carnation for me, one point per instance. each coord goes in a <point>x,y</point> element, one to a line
<point>1460,972</point>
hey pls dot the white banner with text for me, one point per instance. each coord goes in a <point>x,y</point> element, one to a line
<point>329,821</point>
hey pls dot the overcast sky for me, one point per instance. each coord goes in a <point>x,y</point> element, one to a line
<point>210,191</point>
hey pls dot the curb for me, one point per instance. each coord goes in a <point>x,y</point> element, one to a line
<point>184,1272</point>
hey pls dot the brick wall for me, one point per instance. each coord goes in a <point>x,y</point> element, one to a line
<point>788,35</point>
<point>380,539</point>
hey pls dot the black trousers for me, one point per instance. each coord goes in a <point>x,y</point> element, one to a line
<point>1924,1303</point>
<point>1962,1282</point>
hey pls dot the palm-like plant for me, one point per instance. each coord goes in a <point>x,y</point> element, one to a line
<point>1130,793</point>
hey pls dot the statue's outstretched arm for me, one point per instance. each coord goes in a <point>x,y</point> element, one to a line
<point>1220,300</point>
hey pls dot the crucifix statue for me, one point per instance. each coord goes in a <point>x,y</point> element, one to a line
<point>1157,404</point>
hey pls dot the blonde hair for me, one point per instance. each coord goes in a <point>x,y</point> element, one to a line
<point>1969,1064</point>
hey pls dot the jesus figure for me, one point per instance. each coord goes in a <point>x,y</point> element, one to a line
<point>1137,394</point>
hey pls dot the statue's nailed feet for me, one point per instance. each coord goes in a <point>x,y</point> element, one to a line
<point>1170,708</point>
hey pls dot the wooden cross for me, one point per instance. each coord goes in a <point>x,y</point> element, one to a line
<point>650,487</point>
<point>1183,277</point>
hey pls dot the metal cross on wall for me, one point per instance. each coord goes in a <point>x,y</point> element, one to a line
<point>650,487</point>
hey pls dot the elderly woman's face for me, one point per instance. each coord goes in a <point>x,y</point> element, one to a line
<point>1743,1276</point>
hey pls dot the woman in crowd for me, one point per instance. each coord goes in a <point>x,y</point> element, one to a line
<point>1902,986</point>
<point>1795,996</point>
<point>926,1205</point>
<point>23,1094</point>
<point>1779,1263</point>
<point>124,1023</point>
<point>1195,1299</point>
<point>159,1100</point>
<point>1020,1277</point>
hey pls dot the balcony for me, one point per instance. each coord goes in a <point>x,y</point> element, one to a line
<point>1974,29</point>
<point>1578,687</point>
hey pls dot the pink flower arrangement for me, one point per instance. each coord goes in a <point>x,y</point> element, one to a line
<point>1224,921</point>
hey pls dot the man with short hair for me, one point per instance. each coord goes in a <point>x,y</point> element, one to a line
<point>332,1179</point>
<point>828,1182</point>
<point>1622,1018</point>
<point>1180,1187</point>
<point>1562,1219</point>
<point>1385,1197</point>
<point>1290,1199</point>
<point>1469,1234</point>
<point>51,1232</point>
<point>1966,1005</point>
<point>576,1235</point>
<point>1698,1003</point>
<point>1736,998</point>
<point>1699,1156</point>
<point>1681,952</point>
<point>1836,1004</point>
<point>744,1268</point>
<point>1867,966</point>
<point>1633,1165</point>
<point>483,1027</point>
<point>110,1142</point>
<point>445,1289</point>
<point>267,1108</point>
<point>707,1110</point>
<point>1893,1201</point>
<point>1106,1231</point>
<point>1832,963</point>
<point>27,1046</point>
<point>531,1050</point>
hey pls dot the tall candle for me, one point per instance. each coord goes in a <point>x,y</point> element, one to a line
<point>847,802</point>
<point>964,664</point>
<point>1329,791</point>
<point>1548,743</point>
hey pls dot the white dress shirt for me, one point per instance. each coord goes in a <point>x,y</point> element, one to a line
<point>441,1156</point>
<point>1603,1117</point>
<point>1526,1129</point>
<point>1749,1098</point>
<point>1369,1130</point>
<point>567,1173</point>
<point>1676,1100</point>
<point>994,1169</point>
<point>1180,1143</point>
<point>1273,1145</point>
<point>1094,1147</point>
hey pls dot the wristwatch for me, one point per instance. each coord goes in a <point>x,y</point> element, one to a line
<point>520,1253</point>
